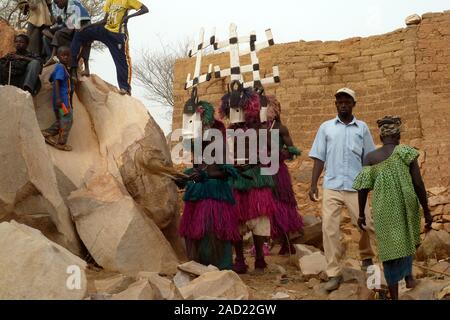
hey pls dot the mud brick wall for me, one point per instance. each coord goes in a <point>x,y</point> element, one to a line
<point>7,38</point>
<point>433,95</point>
<point>405,72</point>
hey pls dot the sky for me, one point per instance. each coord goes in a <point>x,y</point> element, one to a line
<point>173,21</point>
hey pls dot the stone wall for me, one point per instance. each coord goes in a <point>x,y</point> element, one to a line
<point>405,72</point>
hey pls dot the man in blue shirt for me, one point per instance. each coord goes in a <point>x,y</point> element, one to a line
<point>339,147</point>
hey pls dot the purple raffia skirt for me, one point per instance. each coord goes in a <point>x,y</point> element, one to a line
<point>209,216</point>
<point>255,203</point>
<point>286,218</point>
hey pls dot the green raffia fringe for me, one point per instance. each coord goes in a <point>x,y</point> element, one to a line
<point>208,113</point>
<point>227,168</point>
<point>216,189</point>
<point>214,250</point>
<point>294,150</point>
<point>258,181</point>
<point>230,169</point>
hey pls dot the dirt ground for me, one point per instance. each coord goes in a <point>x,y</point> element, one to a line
<point>282,275</point>
<point>291,282</point>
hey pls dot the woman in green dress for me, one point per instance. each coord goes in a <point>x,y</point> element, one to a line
<point>393,173</point>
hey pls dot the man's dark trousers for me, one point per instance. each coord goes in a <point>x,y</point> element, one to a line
<point>117,44</point>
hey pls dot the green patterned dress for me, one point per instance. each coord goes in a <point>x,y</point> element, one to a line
<point>395,209</point>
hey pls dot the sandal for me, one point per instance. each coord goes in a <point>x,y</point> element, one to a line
<point>64,147</point>
<point>45,134</point>
<point>52,141</point>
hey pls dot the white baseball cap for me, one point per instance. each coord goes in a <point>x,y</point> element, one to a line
<point>348,91</point>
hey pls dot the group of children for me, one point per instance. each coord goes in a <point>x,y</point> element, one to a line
<point>61,32</point>
<point>22,68</point>
<point>223,202</point>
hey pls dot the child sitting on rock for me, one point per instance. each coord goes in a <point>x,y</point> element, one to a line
<point>58,133</point>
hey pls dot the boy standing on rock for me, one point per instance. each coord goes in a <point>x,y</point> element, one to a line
<point>58,133</point>
<point>112,32</point>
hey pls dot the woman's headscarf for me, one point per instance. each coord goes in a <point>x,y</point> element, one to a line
<point>389,126</point>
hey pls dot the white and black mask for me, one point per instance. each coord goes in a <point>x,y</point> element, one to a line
<point>192,120</point>
<point>263,114</point>
<point>192,125</point>
<point>237,115</point>
<point>236,111</point>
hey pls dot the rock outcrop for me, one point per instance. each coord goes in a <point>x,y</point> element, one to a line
<point>33,267</point>
<point>28,184</point>
<point>132,142</point>
<point>106,196</point>
<point>116,233</point>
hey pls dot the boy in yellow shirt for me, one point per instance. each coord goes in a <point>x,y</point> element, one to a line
<point>112,31</point>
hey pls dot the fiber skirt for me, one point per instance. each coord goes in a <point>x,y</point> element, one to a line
<point>211,250</point>
<point>254,203</point>
<point>204,217</point>
<point>286,218</point>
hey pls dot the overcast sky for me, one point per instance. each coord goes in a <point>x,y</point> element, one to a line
<point>172,21</point>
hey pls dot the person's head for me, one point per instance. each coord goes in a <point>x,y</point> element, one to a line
<point>64,55</point>
<point>61,3</point>
<point>345,102</point>
<point>273,109</point>
<point>21,42</point>
<point>390,128</point>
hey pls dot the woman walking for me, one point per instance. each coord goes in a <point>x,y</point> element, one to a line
<point>393,173</point>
